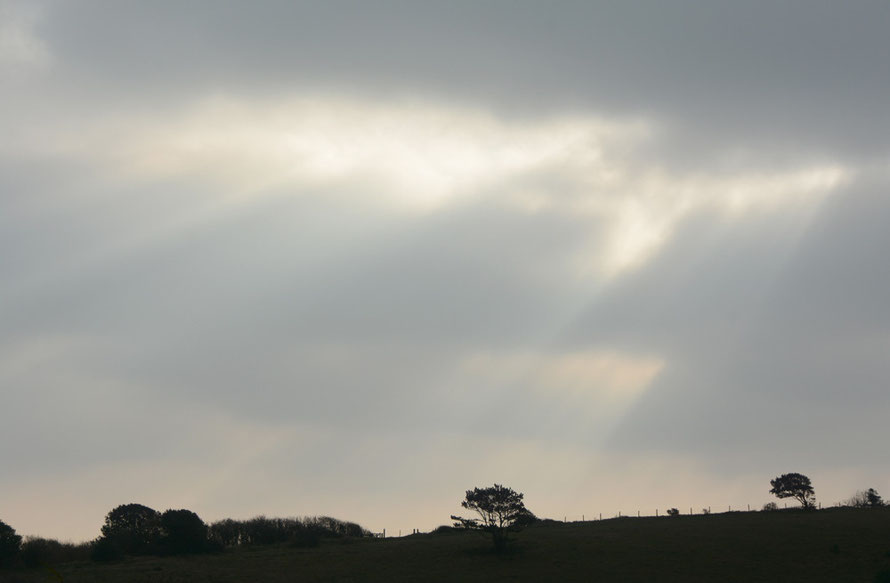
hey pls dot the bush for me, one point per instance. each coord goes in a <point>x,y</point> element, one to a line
<point>10,544</point>
<point>105,550</point>
<point>39,552</point>
<point>225,533</point>
<point>673,512</point>
<point>182,532</point>
<point>297,532</point>
<point>135,529</point>
<point>264,531</point>
<point>865,499</point>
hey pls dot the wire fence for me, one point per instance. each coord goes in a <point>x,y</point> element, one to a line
<point>671,511</point>
<point>658,512</point>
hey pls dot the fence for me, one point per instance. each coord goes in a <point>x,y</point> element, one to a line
<point>664,512</point>
<point>659,512</point>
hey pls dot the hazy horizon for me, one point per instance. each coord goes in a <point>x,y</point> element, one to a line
<point>293,258</point>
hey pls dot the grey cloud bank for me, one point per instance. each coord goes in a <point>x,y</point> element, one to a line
<point>798,72</point>
<point>296,258</point>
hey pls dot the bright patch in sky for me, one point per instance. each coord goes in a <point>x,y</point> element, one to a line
<point>422,157</point>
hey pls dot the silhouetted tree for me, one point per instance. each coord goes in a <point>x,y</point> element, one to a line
<point>865,499</point>
<point>300,532</point>
<point>500,510</point>
<point>182,531</point>
<point>133,528</point>
<point>10,544</point>
<point>795,486</point>
<point>673,512</point>
<point>225,533</point>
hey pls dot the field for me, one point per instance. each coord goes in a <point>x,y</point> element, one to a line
<point>834,546</point>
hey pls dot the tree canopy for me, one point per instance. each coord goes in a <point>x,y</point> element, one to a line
<point>182,531</point>
<point>10,544</point>
<point>795,486</point>
<point>134,528</point>
<point>500,510</point>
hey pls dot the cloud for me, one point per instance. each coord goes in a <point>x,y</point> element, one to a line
<point>368,252</point>
<point>20,45</point>
<point>755,76</point>
<point>421,157</point>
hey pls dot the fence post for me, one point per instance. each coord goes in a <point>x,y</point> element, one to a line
<point>601,515</point>
<point>384,533</point>
<point>656,512</point>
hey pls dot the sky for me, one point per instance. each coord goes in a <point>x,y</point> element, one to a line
<point>352,259</point>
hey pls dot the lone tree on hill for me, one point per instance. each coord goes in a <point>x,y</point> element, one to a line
<point>500,510</point>
<point>795,486</point>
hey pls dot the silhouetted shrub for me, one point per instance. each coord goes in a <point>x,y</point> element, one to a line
<point>105,550</point>
<point>333,527</point>
<point>770,506</point>
<point>182,532</point>
<point>10,545</point>
<point>264,531</point>
<point>299,532</point>
<point>444,529</point>
<point>226,533</point>
<point>37,552</point>
<point>136,529</point>
<point>865,499</point>
<point>673,512</point>
<point>525,518</point>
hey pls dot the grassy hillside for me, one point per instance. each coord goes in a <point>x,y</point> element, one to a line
<point>835,546</point>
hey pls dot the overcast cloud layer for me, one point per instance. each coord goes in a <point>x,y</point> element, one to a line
<point>352,260</point>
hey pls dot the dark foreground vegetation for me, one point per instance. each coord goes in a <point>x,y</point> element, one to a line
<point>134,530</point>
<point>833,545</point>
